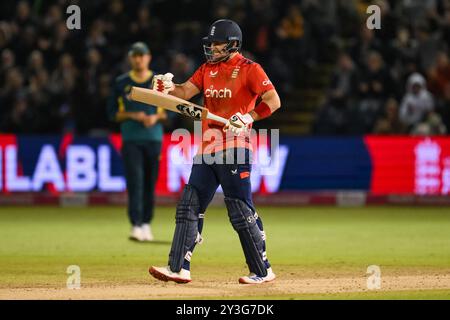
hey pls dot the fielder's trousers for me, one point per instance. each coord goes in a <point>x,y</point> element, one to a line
<point>141,164</point>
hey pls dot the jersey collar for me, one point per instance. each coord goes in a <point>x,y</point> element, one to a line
<point>233,61</point>
<point>137,80</point>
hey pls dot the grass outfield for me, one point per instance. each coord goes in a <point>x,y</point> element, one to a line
<point>317,253</point>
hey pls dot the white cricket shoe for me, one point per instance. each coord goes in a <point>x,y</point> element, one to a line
<point>147,234</point>
<point>136,234</point>
<point>165,274</point>
<point>254,279</point>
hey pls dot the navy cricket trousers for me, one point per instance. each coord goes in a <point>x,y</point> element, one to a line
<point>141,163</point>
<point>234,178</point>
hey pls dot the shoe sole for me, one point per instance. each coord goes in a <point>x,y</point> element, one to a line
<point>162,277</point>
<point>242,281</point>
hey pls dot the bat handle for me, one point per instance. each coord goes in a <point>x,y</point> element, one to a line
<point>214,117</point>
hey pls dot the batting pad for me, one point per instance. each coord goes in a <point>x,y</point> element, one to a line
<point>244,222</point>
<point>186,228</point>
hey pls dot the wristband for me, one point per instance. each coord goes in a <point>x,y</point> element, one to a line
<point>263,110</point>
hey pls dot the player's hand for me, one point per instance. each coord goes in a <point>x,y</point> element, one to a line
<point>163,83</point>
<point>238,123</point>
<point>138,116</point>
<point>150,120</point>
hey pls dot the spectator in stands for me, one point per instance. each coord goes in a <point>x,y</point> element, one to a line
<point>38,91</point>
<point>148,27</point>
<point>444,106</point>
<point>320,27</point>
<point>35,63</point>
<point>403,52</point>
<point>53,17</point>
<point>389,22</point>
<point>343,81</point>
<point>389,122</point>
<point>333,115</point>
<point>445,24</point>
<point>375,81</point>
<point>8,60</point>
<point>20,119</point>
<point>41,104</point>
<point>374,87</point>
<point>96,37</point>
<point>432,125</point>
<point>295,40</point>
<point>417,102</point>
<point>64,77</point>
<point>292,25</point>
<point>439,75</point>
<point>92,70</point>
<point>429,45</point>
<point>110,30</point>
<point>290,34</point>
<point>23,15</point>
<point>416,11</point>
<point>364,45</point>
<point>9,93</point>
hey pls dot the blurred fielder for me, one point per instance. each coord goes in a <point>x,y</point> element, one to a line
<point>231,85</point>
<point>142,134</point>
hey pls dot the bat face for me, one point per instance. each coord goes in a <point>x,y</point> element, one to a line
<point>190,111</point>
<point>174,104</point>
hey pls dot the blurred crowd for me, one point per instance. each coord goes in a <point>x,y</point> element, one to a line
<point>394,80</point>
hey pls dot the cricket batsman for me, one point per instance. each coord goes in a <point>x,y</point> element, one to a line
<point>231,85</point>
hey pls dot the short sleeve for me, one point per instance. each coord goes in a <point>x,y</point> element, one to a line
<point>197,77</point>
<point>258,81</point>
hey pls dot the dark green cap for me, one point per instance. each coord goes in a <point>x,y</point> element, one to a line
<point>138,48</point>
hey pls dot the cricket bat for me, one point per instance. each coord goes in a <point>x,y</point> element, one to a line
<point>173,103</point>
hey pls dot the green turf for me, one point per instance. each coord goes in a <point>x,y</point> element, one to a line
<point>374,295</point>
<point>37,244</point>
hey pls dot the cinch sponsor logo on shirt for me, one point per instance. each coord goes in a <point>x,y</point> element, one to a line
<point>218,93</point>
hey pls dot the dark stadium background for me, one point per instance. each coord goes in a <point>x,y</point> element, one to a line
<point>343,86</point>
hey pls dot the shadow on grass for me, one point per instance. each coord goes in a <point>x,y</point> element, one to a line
<point>154,242</point>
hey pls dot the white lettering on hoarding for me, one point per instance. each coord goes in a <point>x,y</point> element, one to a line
<point>446,177</point>
<point>269,167</point>
<point>87,169</point>
<point>81,173</point>
<point>14,182</point>
<point>428,171</point>
<point>1,169</point>
<point>179,168</point>
<point>106,182</point>
<point>48,170</point>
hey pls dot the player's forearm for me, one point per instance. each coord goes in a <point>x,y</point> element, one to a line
<point>123,116</point>
<point>179,91</point>
<point>269,104</point>
<point>161,114</point>
<point>185,91</point>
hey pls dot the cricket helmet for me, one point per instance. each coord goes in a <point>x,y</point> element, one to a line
<point>226,31</point>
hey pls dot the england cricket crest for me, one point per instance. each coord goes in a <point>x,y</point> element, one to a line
<point>235,73</point>
<point>190,111</point>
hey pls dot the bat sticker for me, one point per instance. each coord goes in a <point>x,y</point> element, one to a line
<point>190,111</point>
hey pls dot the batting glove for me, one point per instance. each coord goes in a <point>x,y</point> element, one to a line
<point>163,83</point>
<point>238,123</point>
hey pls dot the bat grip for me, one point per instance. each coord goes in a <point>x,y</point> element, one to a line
<point>219,119</point>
